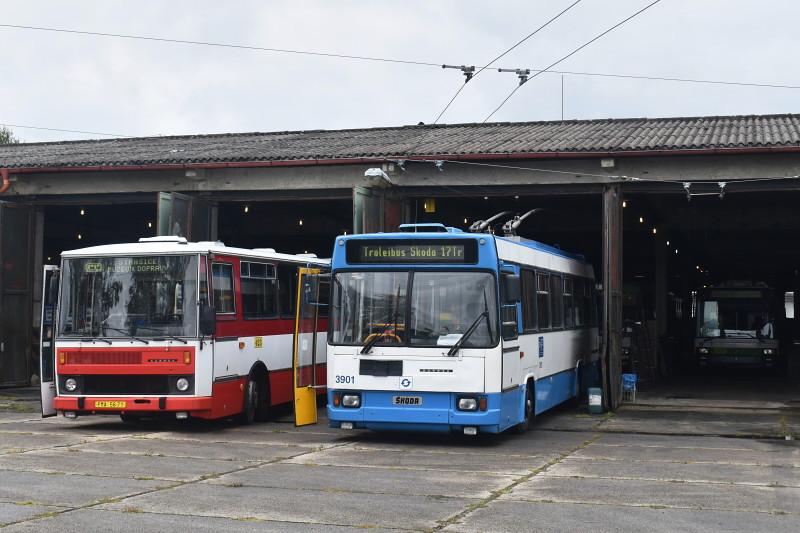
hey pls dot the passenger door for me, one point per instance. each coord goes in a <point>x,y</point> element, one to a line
<point>46,336</point>
<point>510,292</point>
<point>310,285</point>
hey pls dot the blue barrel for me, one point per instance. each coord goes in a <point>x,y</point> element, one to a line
<point>595,400</point>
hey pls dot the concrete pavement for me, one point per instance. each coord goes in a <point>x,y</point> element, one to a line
<point>661,465</point>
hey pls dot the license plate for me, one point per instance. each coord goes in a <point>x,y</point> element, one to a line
<point>407,400</point>
<point>116,404</point>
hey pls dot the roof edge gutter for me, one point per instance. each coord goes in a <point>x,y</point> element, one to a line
<point>382,159</point>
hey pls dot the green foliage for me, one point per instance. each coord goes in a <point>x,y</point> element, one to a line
<point>7,136</point>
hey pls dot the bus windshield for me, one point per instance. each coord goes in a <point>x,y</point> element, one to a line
<point>736,318</point>
<point>441,307</point>
<point>145,296</point>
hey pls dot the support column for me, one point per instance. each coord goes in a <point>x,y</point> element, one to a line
<point>612,295</point>
<point>661,305</point>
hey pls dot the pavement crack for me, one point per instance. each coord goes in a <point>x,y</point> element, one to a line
<point>153,490</point>
<point>497,493</point>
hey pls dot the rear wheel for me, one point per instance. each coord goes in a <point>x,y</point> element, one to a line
<point>523,426</point>
<point>250,403</point>
<point>263,410</point>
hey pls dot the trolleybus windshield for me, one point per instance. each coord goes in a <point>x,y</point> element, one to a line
<point>146,296</point>
<point>736,314</point>
<point>440,309</point>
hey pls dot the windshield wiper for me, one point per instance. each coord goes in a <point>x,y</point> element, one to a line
<point>470,331</point>
<point>391,320</point>
<point>133,338</point>
<point>167,335</point>
<point>92,339</point>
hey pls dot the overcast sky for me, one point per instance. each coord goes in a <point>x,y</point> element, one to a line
<point>130,87</point>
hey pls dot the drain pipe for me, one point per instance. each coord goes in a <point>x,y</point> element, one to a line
<point>6,181</point>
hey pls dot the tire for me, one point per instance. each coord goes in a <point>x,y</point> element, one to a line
<point>263,408</point>
<point>250,402</point>
<point>130,418</point>
<point>523,426</point>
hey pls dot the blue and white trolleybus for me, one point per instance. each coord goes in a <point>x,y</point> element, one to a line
<point>436,329</point>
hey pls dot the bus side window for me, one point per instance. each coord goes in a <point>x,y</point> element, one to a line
<point>222,274</point>
<point>543,300</point>
<point>529,301</point>
<point>259,290</point>
<point>557,302</point>
<point>578,302</point>
<point>569,315</point>
<point>287,289</point>
<point>508,316</point>
<point>203,294</point>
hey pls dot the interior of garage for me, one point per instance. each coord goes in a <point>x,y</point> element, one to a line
<point>672,247</point>
<point>288,226</point>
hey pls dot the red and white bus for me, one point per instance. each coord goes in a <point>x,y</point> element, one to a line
<point>166,326</point>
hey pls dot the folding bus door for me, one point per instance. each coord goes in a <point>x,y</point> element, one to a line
<point>46,335</point>
<point>310,285</point>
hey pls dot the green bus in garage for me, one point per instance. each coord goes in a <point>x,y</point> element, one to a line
<point>736,325</point>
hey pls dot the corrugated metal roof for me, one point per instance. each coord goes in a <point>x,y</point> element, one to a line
<point>564,137</point>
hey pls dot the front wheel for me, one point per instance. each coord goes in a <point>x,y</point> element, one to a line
<point>523,426</point>
<point>250,403</point>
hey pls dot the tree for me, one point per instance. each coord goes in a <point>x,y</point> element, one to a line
<point>7,136</point>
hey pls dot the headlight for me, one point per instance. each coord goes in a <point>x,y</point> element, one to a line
<point>351,400</point>
<point>703,351</point>
<point>182,384</point>
<point>467,404</point>
<point>71,384</point>
<point>769,351</point>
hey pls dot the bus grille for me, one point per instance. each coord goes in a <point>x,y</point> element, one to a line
<point>104,358</point>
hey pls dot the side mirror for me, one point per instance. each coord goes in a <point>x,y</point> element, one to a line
<point>512,288</point>
<point>208,320</point>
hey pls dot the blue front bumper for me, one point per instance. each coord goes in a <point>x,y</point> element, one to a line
<point>437,412</point>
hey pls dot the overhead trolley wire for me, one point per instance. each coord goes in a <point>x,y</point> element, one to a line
<point>490,63</point>
<point>63,130</point>
<point>572,53</point>
<point>222,45</point>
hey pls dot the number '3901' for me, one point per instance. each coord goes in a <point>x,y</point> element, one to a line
<point>345,379</point>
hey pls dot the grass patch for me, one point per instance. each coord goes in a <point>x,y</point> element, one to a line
<point>249,519</point>
<point>101,501</point>
<point>129,509</point>
<point>18,407</point>
<point>234,484</point>
<point>143,478</point>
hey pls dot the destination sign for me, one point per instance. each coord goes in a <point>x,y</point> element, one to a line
<point>408,251</point>
<point>124,265</point>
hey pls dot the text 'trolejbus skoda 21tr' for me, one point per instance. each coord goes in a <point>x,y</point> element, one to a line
<point>180,328</point>
<point>435,329</point>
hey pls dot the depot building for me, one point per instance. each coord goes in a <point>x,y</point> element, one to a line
<point>663,208</point>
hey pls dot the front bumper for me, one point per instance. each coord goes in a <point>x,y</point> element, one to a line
<point>134,404</point>
<point>436,413</point>
<point>729,359</point>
